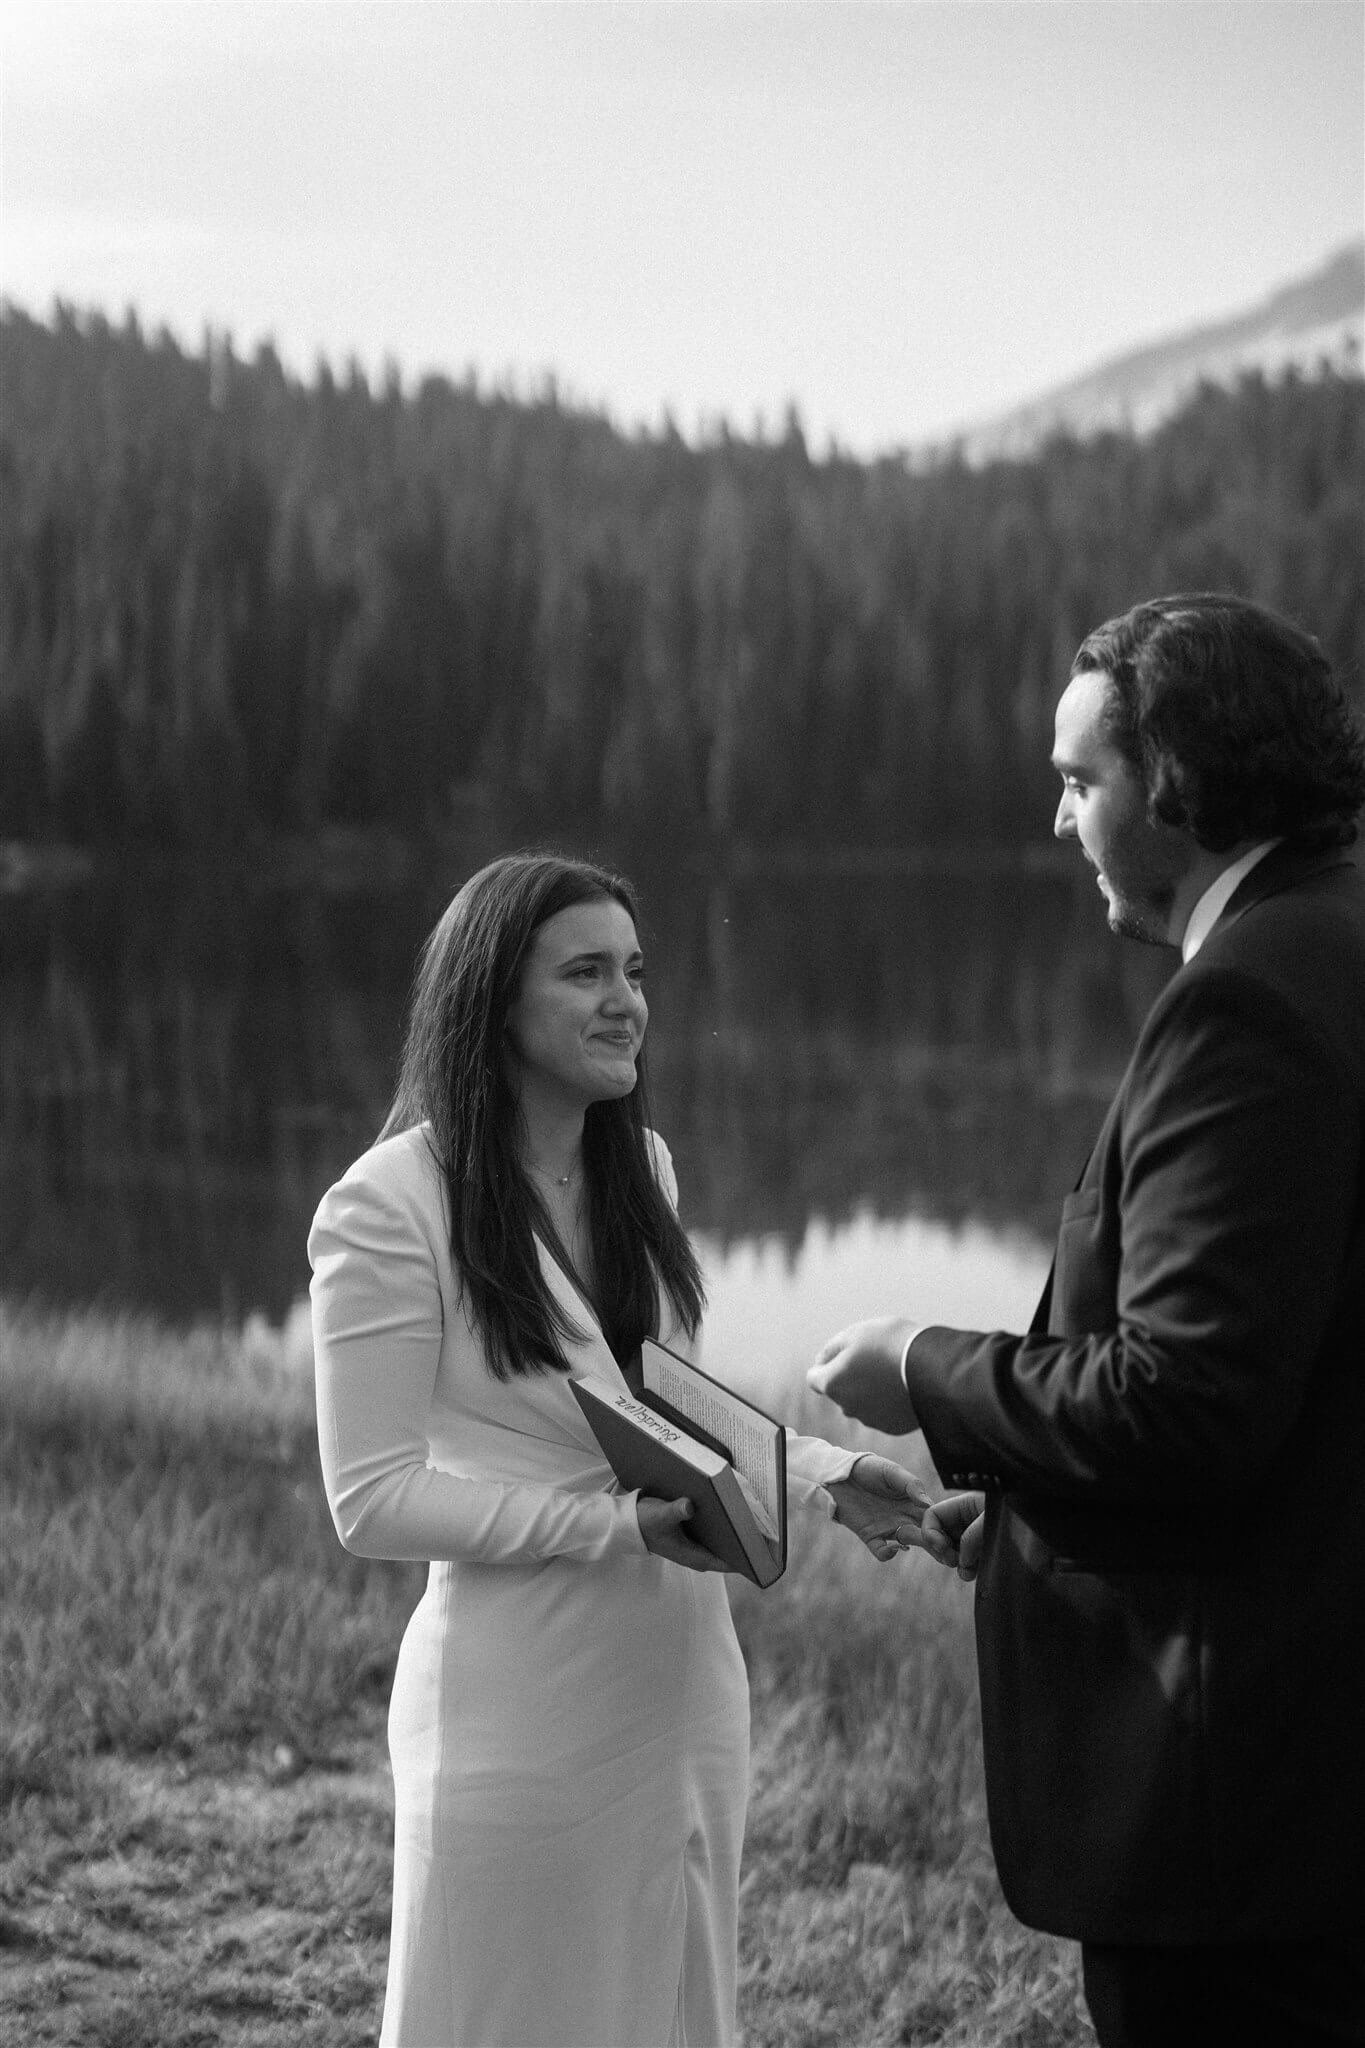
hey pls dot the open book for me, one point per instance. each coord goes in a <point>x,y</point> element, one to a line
<point>688,1435</point>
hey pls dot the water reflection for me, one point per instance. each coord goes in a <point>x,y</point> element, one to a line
<point>185,1063</point>
<point>770,1306</point>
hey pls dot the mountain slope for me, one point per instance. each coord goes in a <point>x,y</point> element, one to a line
<point>1315,320</point>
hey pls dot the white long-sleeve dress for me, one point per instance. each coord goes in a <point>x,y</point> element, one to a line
<point>570,1719</point>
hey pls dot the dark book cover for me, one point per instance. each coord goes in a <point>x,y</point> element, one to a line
<point>654,1450</point>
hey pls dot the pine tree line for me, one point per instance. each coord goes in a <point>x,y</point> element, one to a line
<point>229,598</point>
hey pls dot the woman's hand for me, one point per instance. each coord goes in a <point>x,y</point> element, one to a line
<point>884,1505</point>
<point>954,1528</point>
<point>661,1526</point>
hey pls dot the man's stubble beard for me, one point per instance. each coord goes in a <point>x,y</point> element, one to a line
<point>1148,923</point>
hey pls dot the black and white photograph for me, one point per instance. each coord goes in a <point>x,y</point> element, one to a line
<point>682,1023</point>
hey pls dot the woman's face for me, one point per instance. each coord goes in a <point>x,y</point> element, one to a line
<point>578,1018</point>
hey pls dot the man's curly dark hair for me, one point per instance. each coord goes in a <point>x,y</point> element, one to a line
<point>1234,720</point>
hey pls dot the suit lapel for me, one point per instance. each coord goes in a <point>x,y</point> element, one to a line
<point>1040,1314</point>
<point>1038,1326</point>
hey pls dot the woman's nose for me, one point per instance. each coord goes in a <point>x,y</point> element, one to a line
<point>623,995</point>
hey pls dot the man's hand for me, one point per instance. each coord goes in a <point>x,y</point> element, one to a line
<point>953,1531</point>
<point>860,1371</point>
<point>661,1526</point>
<point>884,1505</point>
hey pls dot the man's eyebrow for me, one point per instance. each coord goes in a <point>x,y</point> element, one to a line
<point>1066,767</point>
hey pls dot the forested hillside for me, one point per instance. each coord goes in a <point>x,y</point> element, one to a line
<point>231,599</point>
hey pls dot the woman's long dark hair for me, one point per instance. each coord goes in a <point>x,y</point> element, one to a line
<point>453,1076</point>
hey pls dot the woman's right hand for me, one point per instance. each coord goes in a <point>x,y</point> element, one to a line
<point>661,1526</point>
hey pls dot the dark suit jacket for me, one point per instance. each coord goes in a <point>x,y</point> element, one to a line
<point>1171,1605</point>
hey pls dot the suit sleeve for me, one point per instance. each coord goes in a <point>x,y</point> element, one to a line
<point>1239,1159</point>
<point>377,1329</point>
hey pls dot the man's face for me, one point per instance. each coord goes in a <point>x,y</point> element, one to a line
<point>1104,805</point>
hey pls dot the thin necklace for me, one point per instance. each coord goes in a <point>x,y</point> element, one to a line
<point>561,1180</point>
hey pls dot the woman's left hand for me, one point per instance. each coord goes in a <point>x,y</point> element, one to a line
<point>883,1505</point>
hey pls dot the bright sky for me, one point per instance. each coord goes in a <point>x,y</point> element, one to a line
<point>901,217</point>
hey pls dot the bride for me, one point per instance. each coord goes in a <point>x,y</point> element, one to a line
<point>569,1722</point>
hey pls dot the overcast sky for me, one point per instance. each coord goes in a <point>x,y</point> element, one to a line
<point>900,217</point>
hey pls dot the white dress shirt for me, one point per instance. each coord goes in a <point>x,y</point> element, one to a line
<point>1216,898</point>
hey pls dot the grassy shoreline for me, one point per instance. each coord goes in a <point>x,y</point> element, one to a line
<point>192,1686</point>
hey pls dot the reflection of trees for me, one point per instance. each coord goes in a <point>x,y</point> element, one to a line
<point>917,1044</point>
<point>180,1075</point>
<point>183,1070</point>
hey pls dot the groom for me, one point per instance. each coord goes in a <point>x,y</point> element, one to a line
<point>1171,1593</point>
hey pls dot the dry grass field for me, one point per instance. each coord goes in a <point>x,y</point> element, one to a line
<point>196,1805</point>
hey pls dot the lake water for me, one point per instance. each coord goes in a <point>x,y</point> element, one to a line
<point>876,1084</point>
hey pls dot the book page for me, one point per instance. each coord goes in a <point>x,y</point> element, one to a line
<point>700,1455</point>
<point>750,1439</point>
